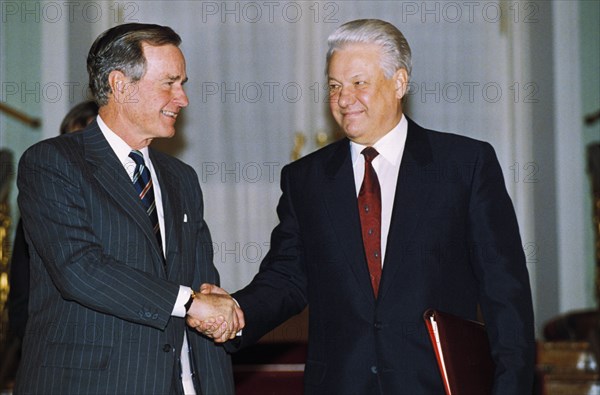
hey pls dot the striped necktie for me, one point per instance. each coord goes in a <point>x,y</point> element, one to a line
<point>143,184</point>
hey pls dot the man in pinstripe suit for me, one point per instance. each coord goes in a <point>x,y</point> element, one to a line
<point>109,296</point>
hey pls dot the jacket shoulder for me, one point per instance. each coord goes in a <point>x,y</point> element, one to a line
<point>321,156</point>
<point>447,145</point>
<point>64,147</point>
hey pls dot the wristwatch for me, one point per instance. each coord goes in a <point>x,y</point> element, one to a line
<point>188,304</point>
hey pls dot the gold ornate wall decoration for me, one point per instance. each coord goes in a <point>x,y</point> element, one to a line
<point>299,141</point>
<point>4,252</point>
<point>321,139</point>
<point>593,155</point>
<point>6,175</point>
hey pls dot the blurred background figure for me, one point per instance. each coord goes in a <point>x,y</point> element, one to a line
<point>79,117</point>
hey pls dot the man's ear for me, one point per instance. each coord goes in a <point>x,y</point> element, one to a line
<point>118,85</point>
<point>401,81</point>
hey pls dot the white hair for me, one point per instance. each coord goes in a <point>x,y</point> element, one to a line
<point>395,52</point>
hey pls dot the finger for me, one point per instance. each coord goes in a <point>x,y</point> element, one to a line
<point>235,327</point>
<point>210,327</point>
<point>235,321</point>
<point>205,329</point>
<point>213,331</point>
<point>206,325</point>
<point>232,335</point>
<point>217,290</point>
<point>193,322</point>
<point>209,323</point>
<point>226,334</point>
<point>241,319</point>
<point>205,288</point>
<point>218,334</point>
<point>204,332</point>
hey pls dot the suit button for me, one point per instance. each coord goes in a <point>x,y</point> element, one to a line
<point>374,369</point>
<point>378,325</point>
<point>167,348</point>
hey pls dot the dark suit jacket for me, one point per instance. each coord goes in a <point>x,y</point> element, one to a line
<point>453,244</point>
<point>18,296</point>
<point>100,302</point>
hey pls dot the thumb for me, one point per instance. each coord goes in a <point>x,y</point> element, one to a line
<point>206,288</point>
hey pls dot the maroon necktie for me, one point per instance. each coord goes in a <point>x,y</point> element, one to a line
<point>369,207</point>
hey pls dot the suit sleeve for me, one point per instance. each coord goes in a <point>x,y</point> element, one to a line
<point>499,264</point>
<point>205,270</point>
<point>55,214</point>
<point>279,289</point>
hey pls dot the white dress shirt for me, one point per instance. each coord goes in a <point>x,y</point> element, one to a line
<point>387,167</point>
<point>122,150</point>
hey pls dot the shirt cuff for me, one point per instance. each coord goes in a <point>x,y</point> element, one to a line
<point>182,298</point>
<point>239,333</point>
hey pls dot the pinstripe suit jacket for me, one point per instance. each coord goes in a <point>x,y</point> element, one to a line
<point>101,301</point>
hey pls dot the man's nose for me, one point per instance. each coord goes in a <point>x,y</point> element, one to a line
<point>181,98</point>
<point>346,97</point>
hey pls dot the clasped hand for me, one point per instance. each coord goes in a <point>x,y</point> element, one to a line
<point>215,314</point>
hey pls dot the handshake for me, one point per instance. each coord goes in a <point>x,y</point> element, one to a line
<point>215,314</point>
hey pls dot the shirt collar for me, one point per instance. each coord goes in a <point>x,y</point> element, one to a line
<point>390,146</point>
<point>120,147</point>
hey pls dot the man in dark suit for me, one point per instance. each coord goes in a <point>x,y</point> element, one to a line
<point>118,241</point>
<point>432,205</point>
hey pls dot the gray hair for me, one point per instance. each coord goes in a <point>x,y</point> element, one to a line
<point>120,48</point>
<point>395,49</point>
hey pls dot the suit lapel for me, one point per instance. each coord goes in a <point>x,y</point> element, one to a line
<point>410,201</point>
<point>112,177</point>
<point>173,212</point>
<point>341,203</point>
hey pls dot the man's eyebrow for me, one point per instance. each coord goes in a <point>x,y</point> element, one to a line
<point>353,76</point>
<point>176,78</point>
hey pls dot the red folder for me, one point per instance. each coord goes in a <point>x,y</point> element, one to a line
<point>463,353</point>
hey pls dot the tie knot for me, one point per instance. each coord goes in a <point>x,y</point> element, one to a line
<point>137,157</point>
<point>370,153</point>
